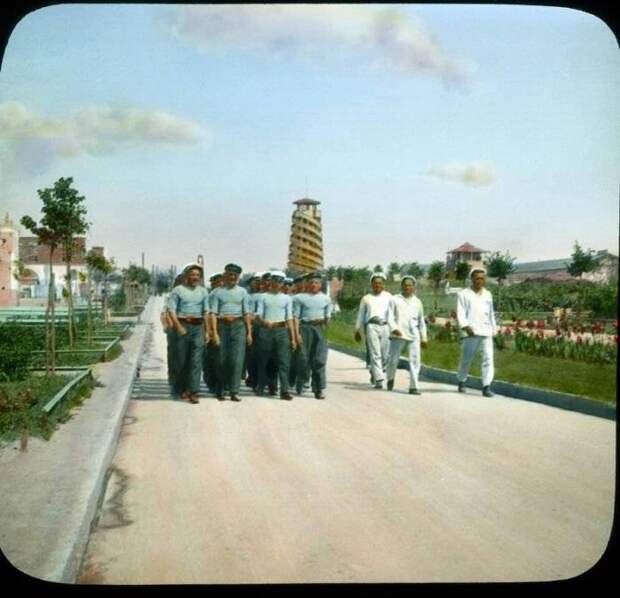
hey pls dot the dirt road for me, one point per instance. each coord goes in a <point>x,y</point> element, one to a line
<point>366,486</point>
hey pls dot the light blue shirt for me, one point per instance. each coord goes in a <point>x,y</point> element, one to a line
<point>312,307</point>
<point>185,301</point>
<point>230,302</point>
<point>275,307</point>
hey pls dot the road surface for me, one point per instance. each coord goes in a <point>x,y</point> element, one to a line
<point>366,486</point>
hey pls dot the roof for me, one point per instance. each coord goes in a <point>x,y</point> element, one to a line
<point>307,201</point>
<point>543,265</point>
<point>466,248</point>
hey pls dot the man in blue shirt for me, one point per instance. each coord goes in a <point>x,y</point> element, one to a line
<point>312,312</point>
<point>277,337</point>
<point>210,362</point>
<point>250,351</point>
<point>171,340</point>
<point>232,325</point>
<point>188,306</point>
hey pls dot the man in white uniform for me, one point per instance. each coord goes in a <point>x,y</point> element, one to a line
<point>373,317</point>
<point>476,321</point>
<point>408,328</point>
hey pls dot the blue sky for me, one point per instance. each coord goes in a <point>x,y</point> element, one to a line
<point>192,129</point>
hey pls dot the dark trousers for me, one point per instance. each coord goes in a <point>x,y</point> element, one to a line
<point>314,351</point>
<point>171,354</point>
<point>274,344</point>
<point>210,366</point>
<point>251,355</point>
<point>189,351</point>
<point>230,356</point>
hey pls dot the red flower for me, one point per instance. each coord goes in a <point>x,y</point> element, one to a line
<point>579,340</point>
<point>616,339</point>
<point>615,324</point>
<point>530,324</point>
<point>508,330</point>
<point>540,324</point>
<point>558,332</point>
<point>448,325</point>
<point>540,334</point>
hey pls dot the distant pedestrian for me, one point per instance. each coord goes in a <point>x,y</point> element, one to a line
<point>277,337</point>
<point>408,330</point>
<point>171,338</point>
<point>372,316</point>
<point>312,312</point>
<point>296,370</point>
<point>476,321</point>
<point>189,308</point>
<point>232,323</point>
<point>251,351</point>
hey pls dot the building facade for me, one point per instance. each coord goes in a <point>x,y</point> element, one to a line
<point>9,254</point>
<point>474,256</point>
<point>306,241</point>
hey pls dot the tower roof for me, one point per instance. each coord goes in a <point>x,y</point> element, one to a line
<point>466,248</point>
<point>306,201</point>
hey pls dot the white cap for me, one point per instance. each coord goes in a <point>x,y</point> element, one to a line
<point>411,277</point>
<point>192,265</point>
<point>277,274</point>
<point>477,269</point>
<point>377,275</point>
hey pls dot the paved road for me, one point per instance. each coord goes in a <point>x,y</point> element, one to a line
<point>367,486</point>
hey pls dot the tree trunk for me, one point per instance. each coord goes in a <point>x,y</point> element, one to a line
<point>52,320</point>
<point>69,302</point>
<point>90,317</point>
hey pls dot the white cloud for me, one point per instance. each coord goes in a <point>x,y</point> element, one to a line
<point>473,174</point>
<point>30,142</point>
<point>386,37</point>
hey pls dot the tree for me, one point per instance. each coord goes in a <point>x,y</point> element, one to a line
<point>378,268</point>
<point>98,266</point>
<point>393,269</point>
<point>436,274</point>
<point>135,277</point>
<point>414,269</point>
<point>461,272</point>
<point>47,234</point>
<point>583,262</point>
<point>500,266</point>
<point>21,271</point>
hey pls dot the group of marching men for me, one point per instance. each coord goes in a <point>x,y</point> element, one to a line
<point>273,334</point>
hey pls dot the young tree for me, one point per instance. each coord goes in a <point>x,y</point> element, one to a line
<point>414,269</point>
<point>48,235</point>
<point>378,268</point>
<point>98,267</point>
<point>393,269</point>
<point>500,266</point>
<point>436,274</point>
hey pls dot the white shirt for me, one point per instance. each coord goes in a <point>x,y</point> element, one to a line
<point>476,310</point>
<point>373,306</point>
<point>407,315</point>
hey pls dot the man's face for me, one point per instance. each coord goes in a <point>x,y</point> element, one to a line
<point>407,287</point>
<point>478,280</point>
<point>377,285</point>
<point>314,286</point>
<point>217,282</point>
<point>193,277</point>
<point>275,285</point>
<point>255,285</point>
<point>286,289</point>
<point>264,285</point>
<point>230,278</point>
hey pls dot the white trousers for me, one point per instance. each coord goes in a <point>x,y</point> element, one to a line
<point>471,344</point>
<point>413,356</point>
<point>378,341</point>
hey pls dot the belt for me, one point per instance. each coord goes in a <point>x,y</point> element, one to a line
<point>190,320</point>
<point>314,322</point>
<point>377,321</point>
<point>229,319</point>
<point>275,325</point>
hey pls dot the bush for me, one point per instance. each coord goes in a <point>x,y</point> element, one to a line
<point>16,346</point>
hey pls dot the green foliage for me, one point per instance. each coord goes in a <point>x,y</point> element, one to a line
<point>500,266</point>
<point>137,274</point>
<point>461,271</point>
<point>414,269</point>
<point>583,261</point>
<point>436,273</point>
<point>16,346</point>
<point>579,349</point>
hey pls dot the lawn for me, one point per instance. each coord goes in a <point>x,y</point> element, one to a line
<point>596,381</point>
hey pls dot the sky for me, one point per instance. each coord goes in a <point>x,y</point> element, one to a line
<point>191,129</point>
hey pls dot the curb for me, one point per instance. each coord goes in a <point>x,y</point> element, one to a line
<point>74,562</point>
<point>561,400</point>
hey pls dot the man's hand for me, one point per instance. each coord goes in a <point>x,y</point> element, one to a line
<point>358,336</point>
<point>216,340</point>
<point>468,330</point>
<point>293,344</point>
<point>182,330</point>
<point>248,340</point>
<point>397,332</point>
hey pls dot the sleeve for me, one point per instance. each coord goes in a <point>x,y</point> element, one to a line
<point>246,304</point>
<point>422,323</point>
<point>329,308</point>
<point>296,307</point>
<point>461,310</point>
<point>212,301</point>
<point>493,322</point>
<point>361,315</point>
<point>205,303</point>
<point>391,316</point>
<point>288,309</point>
<point>173,301</point>
<point>258,306</point>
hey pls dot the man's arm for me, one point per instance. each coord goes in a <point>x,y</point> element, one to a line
<point>461,314</point>
<point>360,320</point>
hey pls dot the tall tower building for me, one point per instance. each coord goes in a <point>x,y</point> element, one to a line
<point>9,252</point>
<point>305,252</point>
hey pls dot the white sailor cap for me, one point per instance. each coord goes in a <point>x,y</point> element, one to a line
<point>277,274</point>
<point>192,265</point>
<point>477,269</point>
<point>258,275</point>
<point>377,275</point>
<point>411,277</point>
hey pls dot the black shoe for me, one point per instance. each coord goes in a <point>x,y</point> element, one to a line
<point>235,398</point>
<point>414,391</point>
<point>272,390</point>
<point>379,384</point>
<point>390,384</point>
<point>260,392</point>
<point>486,392</point>
<point>299,390</point>
<point>319,395</point>
<point>220,396</point>
<point>462,387</point>
<point>286,396</point>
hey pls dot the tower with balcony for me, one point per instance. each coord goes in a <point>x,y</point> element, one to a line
<point>306,242</point>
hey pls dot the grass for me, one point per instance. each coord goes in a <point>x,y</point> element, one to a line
<point>596,381</point>
<point>41,389</point>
